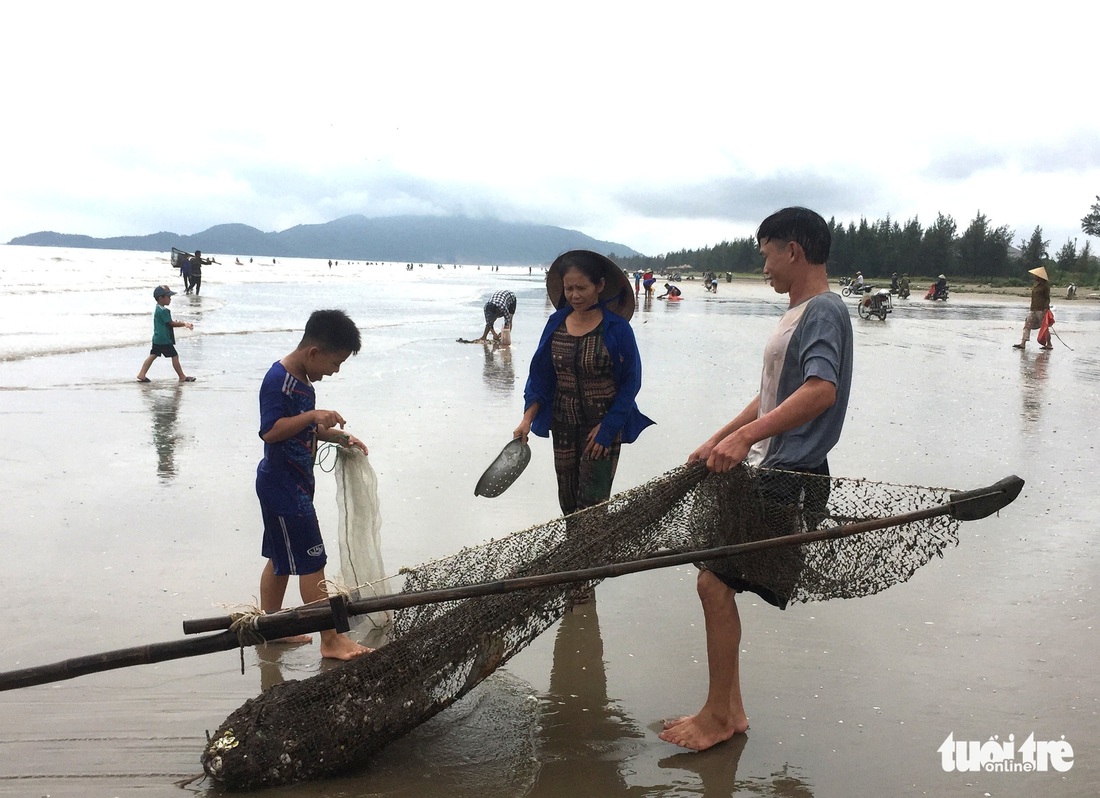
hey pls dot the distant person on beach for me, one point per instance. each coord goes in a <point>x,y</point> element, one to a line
<point>197,261</point>
<point>185,273</point>
<point>671,291</point>
<point>647,282</point>
<point>1040,304</point>
<point>290,427</point>
<point>791,424</point>
<point>584,377</point>
<point>164,335</point>
<point>502,304</point>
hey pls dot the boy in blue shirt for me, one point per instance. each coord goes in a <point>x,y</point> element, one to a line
<point>164,335</point>
<point>290,427</point>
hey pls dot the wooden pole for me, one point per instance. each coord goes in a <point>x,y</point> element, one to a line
<point>120,658</point>
<point>320,617</point>
<point>969,505</point>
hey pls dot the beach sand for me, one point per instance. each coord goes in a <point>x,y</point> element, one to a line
<point>130,508</point>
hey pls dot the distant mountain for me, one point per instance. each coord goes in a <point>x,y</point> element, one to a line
<point>403,239</point>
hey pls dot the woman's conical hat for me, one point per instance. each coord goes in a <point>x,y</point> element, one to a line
<point>1040,272</point>
<point>617,295</point>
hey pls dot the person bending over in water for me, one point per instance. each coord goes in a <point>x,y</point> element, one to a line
<point>290,427</point>
<point>805,384</point>
<point>501,304</point>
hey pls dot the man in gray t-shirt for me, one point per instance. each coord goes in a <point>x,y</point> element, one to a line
<point>791,424</point>
<point>813,341</point>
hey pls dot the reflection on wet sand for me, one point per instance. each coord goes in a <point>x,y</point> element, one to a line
<point>1033,373</point>
<point>499,373</point>
<point>164,405</point>
<point>716,769</point>
<point>583,734</point>
<point>271,674</point>
<point>580,727</point>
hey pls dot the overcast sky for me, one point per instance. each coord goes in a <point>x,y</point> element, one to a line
<point>656,125</point>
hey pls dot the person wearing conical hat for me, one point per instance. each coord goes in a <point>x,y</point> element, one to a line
<point>585,375</point>
<point>1040,304</point>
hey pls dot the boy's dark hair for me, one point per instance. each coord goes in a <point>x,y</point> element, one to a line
<point>331,331</point>
<point>802,226</point>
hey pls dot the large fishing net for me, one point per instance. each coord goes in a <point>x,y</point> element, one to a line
<point>438,652</point>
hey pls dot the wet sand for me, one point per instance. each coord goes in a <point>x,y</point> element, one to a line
<point>130,508</point>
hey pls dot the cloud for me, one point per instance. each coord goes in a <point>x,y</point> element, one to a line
<point>658,127</point>
<point>747,199</point>
<point>1074,151</point>
<point>964,162</point>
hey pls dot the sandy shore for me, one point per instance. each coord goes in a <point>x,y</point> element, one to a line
<point>130,508</point>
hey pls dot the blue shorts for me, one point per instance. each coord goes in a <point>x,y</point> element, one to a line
<point>293,543</point>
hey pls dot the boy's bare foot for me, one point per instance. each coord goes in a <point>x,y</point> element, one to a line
<point>342,647</point>
<point>703,731</point>
<point>293,640</point>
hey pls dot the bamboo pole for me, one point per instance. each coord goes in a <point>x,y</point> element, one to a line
<point>966,506</point>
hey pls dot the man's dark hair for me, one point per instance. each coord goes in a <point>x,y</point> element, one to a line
<point>331,331</point>
<point>802,226</point>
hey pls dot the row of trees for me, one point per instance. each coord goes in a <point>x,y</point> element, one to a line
<point>878,249</point>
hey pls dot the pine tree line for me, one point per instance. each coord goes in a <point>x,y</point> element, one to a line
<point>878,249</point>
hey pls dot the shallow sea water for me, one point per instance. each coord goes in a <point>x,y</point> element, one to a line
<point>130,508</point>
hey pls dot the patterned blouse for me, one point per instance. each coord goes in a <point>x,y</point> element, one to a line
<point>586,382</point>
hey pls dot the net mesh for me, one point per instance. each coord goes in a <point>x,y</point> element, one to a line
<point>438,652</point>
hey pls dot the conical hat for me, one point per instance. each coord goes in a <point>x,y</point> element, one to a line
<point>1040,272</point>
<point>617,295</point>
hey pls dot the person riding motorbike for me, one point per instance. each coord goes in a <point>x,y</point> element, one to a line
<point>938,289</point>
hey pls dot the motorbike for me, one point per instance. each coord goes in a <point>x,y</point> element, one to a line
<point>933,294</point>
<point>850,286</point>
<point>875,302</point>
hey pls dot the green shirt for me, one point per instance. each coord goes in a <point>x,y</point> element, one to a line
<point>163,332</point>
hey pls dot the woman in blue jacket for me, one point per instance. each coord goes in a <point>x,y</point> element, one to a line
<point>585,376</point>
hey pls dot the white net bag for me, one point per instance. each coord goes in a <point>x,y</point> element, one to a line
<point>360,524</point>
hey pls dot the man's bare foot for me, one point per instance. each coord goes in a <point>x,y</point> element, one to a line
<point>342,647</point>
<point>703,731</point>
<point>293,640</point>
